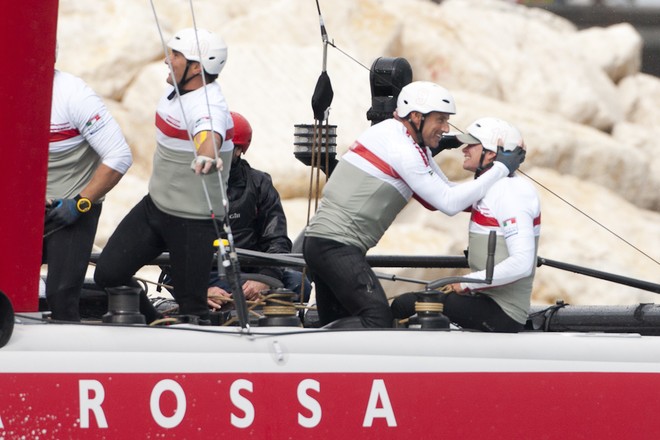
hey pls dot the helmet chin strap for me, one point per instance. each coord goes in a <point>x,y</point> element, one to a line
<point>482,168</point>
<point>418,131</point>
<point>180,85</point>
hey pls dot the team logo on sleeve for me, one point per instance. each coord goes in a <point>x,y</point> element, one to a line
<point>510,227</point>
<point>93,121</point>
<point>202,120</point>
<point>93,125</point>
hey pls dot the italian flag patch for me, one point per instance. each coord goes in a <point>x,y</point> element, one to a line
<point>510,227</point>
<point>93,125</point>
<point>93,120</point>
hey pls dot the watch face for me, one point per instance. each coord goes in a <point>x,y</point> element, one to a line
<point>84,205</point>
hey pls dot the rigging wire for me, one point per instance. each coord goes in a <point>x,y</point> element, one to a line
<point>227,254</point>
<point>589,217</point>
<point>223,193</point>
<point>324,36</point>
<point>216,150</point>
<point>320,137</point>
<point>382,78</point>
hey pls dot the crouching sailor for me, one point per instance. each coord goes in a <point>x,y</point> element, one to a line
<point>511,208</point>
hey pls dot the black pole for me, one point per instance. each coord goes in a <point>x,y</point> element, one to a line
<point>490,261</point>
<point>644,285</point>
<point>423,261</point>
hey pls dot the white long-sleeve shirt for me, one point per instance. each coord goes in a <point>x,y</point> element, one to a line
<point>512,209</point>
<point>173,186</point>
<point>83,134</point>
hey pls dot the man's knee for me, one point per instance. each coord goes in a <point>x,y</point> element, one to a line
<point>380,317</point>
<point>403,306</point>
<point>104,277</point>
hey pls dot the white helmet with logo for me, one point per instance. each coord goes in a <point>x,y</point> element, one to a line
<point>492,133</point>
<point>424,97</point>
<point>213,48</point>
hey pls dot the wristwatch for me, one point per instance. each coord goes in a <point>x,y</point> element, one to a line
<point>83,204</point>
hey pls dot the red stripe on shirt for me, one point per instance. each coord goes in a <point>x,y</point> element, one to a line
<point>376,161</point>
<point>480,219</point>
<point>420,150</point>
<point>425,158</point>
<point>177,133</point>
<point>170,131</point>
<point>422,153</point>
<point>383,166</point>
<point>483,220</point>
<point>56,136</point>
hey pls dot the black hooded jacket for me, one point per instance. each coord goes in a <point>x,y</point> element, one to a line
<point>256,215</point>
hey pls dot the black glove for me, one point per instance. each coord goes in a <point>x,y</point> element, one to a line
<point>63,212</point>
<point>447,142</point>
<point>512,159</point>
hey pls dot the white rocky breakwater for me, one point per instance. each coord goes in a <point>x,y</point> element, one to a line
<point>590,118</point>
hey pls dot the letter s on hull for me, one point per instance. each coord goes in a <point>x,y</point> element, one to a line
<point>241,403</point>
<point>309,403</point>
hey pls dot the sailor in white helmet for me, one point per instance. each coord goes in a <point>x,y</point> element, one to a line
<point>389,164</point>
<point>87,157</point>
<point>175,215</point>
<point>512,209</point>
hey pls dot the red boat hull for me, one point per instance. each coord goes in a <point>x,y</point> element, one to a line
<point>331,405</point>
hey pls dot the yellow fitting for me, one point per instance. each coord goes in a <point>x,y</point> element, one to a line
<point>216,242</point>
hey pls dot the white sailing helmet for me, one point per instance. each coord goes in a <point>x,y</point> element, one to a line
<point>491,133</point>
<point>424,97</point>
<point>213,48</point>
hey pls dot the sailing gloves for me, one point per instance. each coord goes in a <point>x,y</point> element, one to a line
<point>511,159</point>
<point>63,212</point>
<point>205,164</point>
<point>447,142</point>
